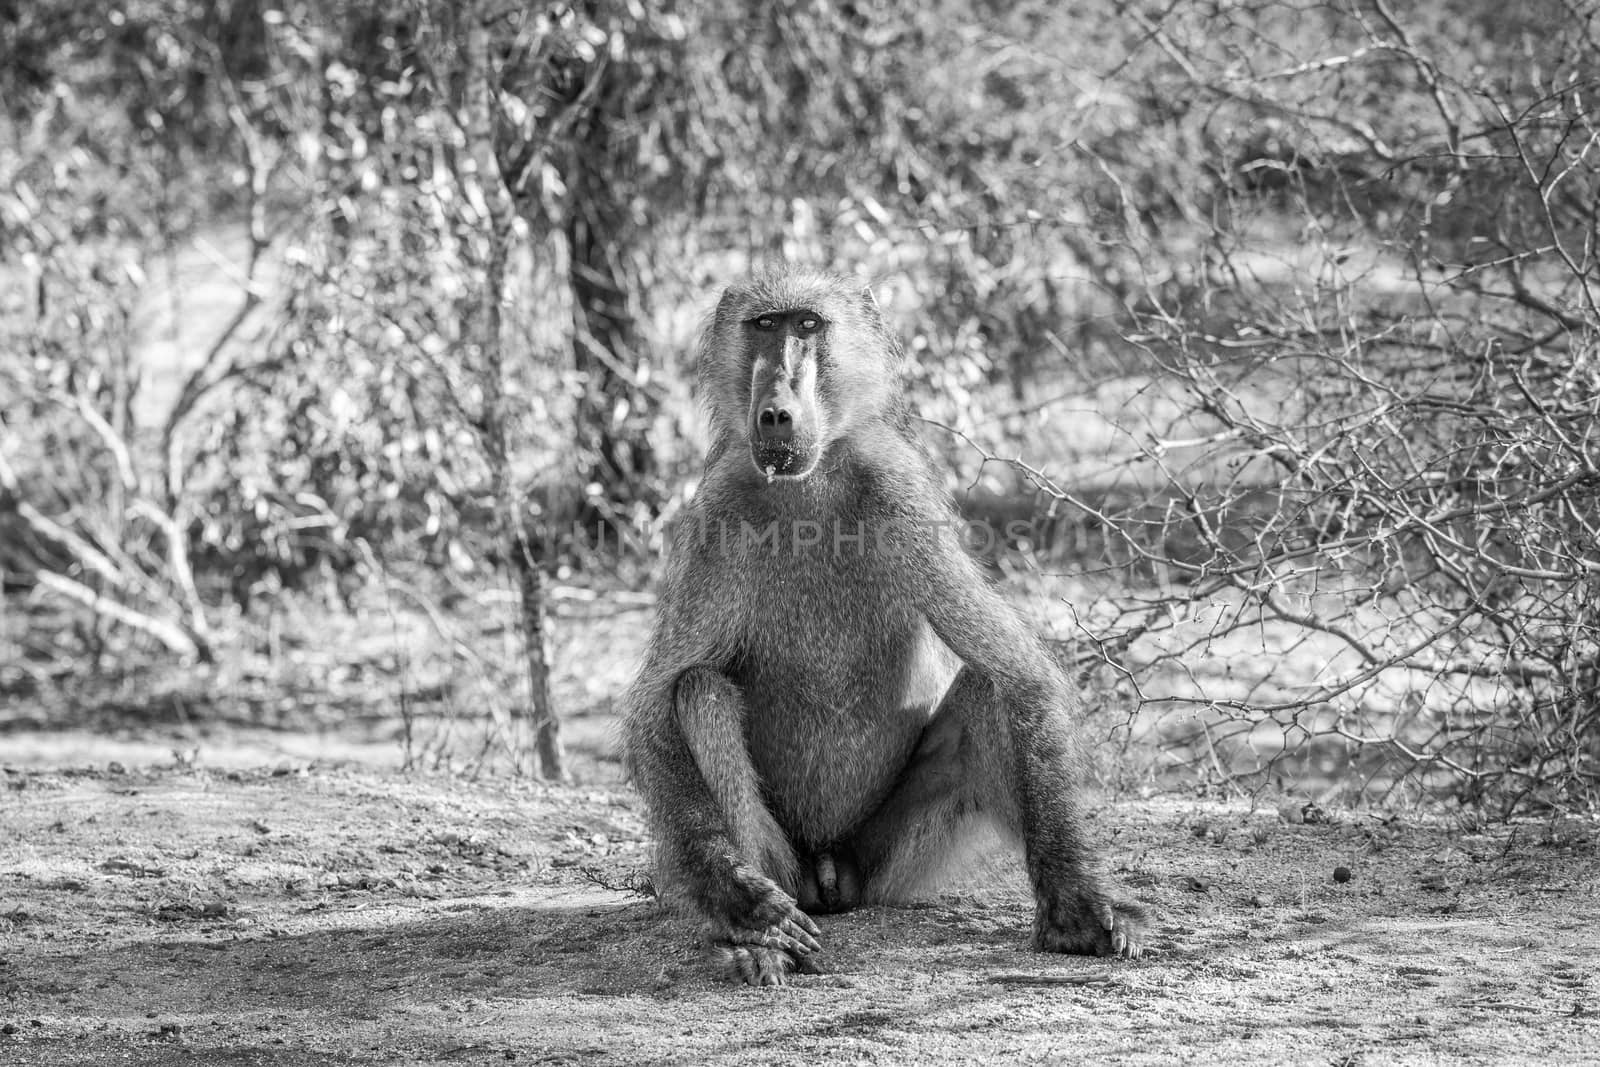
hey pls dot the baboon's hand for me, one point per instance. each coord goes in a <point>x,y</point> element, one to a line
<point>764,936</point>
<point>1089,922</point>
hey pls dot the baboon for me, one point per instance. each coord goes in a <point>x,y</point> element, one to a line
<point>833,692</point>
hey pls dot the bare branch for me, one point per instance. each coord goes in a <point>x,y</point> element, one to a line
<point>173,636</point>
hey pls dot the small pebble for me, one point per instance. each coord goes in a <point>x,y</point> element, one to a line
<point>1341,874</point>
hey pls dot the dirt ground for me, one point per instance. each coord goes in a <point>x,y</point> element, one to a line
<point>308,914</point>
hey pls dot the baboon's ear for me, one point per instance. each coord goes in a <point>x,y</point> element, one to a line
<point>725,303</point>
<point>870,303</point>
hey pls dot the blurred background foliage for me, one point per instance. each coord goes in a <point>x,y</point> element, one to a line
<point>1274,320</point>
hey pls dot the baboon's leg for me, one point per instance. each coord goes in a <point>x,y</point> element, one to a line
<point>955,775</point>
<point>710,714</point>
<point>974,760</point>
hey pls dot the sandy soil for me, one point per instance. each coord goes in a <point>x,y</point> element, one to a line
<point>308,915</point>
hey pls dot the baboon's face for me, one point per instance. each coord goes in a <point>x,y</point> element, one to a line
<point>785,420</point>
<point>793,363</point>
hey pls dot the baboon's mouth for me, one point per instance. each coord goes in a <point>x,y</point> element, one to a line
<point>782,461</point>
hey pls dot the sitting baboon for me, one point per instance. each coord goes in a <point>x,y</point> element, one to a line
<point>833,690</point>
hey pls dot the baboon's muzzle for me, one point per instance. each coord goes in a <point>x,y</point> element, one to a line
<point>780,460</point>
<point>782,436</point>
<point>778,441</point>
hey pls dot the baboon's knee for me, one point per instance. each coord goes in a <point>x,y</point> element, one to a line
<point>702,692</point>
<point>963,768</point>
<point>963,743</point>
<point>711,716</point>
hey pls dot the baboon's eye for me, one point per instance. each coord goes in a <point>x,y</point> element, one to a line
<point>765,322</point>
<point>809,322</point>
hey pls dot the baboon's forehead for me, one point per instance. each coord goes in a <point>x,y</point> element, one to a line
<point>789,291</point>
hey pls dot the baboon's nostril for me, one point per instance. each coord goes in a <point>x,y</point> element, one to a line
<point>775,425</point>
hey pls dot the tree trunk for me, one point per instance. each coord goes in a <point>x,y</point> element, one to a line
<point>613,414</point>
<point>547,750</point>
<point>516,545</point>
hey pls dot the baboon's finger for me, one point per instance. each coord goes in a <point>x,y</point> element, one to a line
<point>798,940</point>
<point>786,938</point>
<point>1107,915</point>
<point>802,937</point>
<point>763,936</point>
<point>790,945</point>
<point>805,922</point>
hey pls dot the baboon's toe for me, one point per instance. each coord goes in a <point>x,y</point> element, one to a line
<point>1091,925</point>
<point>759,965</point>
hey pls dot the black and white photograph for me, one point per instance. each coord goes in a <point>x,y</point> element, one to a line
<point>643,532</point>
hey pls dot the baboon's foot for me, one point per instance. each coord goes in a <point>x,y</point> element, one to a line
<point>1089,922</point>
<point>766,936</point>
<point>759,964</point>
<point>831,881</point>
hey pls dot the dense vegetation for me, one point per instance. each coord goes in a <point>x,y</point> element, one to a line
<point>1287,307</point>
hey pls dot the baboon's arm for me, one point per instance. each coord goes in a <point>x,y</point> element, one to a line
<point>685,747</point>
<point>1075,912</point>
<point>688,635</point>
<point>984,631</point>
<point>993,641</point>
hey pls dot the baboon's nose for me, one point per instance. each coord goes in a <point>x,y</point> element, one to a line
<point>775,425</point>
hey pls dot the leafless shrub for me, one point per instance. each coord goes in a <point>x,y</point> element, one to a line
<point>1372,514</point>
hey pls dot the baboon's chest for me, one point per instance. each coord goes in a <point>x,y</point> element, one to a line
<point>828,637</point>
